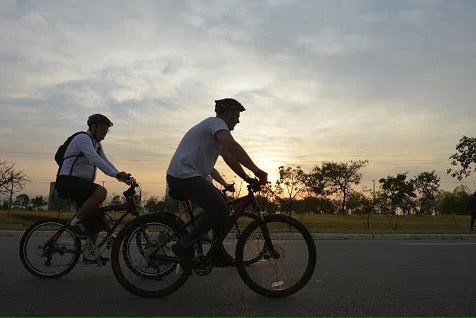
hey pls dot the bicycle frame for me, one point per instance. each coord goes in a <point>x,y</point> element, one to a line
<point>189,211</point>
<point>129,208</point>
<point>242,203</point>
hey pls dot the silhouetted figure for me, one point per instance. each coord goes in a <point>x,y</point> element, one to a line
<point>472,209</point>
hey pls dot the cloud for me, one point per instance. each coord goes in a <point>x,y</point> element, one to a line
<point>320,79</point>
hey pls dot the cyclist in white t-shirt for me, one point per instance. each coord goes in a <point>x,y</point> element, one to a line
<point>194,160</point>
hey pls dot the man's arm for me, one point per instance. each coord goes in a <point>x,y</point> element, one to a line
<point>85,145</point>
<point>236,151</point>
<point>239,154</point>
<point>217,177</point>
<point>233,164</point>
<point>102,154</point>
<point>99,160</point>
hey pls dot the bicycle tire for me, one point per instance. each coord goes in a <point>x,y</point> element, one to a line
<point>174,225</point>
<point>167,214</point>
<point>24,257</point>
<point>311,264</point>
<point>142,251</point>
<point>229,255</point>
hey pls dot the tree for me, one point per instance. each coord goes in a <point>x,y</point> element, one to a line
<point>455,202</point>
<point>315,205</point>
<point>315,183</point>
<point>397,196</point>
<point>5,172</point>
<point>292,181</point>
<point>361,204</point>
<point>338,177</point>
<point>152,204</point>
<point>11,180</point>
<point>426,185</point>
<point>60,204</point>
<point>38,202</point>
<point>116,199</point>
<point>5,205</point>
<point>22,201</point>
<point>465,157</point>
<point>266,198</point>
<point>169,205</point>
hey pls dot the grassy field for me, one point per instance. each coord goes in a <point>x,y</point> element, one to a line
<point>20,220</point>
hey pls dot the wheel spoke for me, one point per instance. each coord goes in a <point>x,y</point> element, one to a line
<point>142,259</point>
<point>48,258</point>
<point>287,261</point>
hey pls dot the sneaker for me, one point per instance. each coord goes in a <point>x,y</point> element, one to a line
<point>222,260</point>
<point>185,256</point>
<point>79,229</point>
<point>101,261</point>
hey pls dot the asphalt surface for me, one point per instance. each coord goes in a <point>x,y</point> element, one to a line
<point>352,277</point>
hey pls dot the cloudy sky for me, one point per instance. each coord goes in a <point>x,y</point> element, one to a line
<point>387,81</point>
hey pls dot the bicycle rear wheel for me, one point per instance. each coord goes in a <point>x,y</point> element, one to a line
<point>288,260</point>
<point>153,272</point>
<point>47,258</point>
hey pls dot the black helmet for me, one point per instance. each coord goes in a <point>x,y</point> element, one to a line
<point>99,118</point>
<point>224,104</point>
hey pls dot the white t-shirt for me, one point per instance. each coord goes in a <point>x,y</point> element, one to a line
<point>198,151</point>
<point>85,166</point>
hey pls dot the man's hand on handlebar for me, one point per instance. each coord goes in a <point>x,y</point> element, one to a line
<point>250,180</point>
<point>123,176</point>
<point>262,176</point>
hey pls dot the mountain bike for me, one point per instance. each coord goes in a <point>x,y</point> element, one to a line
<point>48,249</point>
<point>277,239</point>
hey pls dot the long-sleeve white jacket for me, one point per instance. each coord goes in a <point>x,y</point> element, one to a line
<point>85,167</point>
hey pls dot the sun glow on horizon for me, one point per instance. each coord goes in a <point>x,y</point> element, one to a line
<point>271,166</point>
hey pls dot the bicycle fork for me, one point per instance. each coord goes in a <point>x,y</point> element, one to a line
<point>268,250</point>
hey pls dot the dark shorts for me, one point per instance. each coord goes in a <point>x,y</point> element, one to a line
<point>75,188</point>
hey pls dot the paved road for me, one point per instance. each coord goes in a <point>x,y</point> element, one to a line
<point>352,277</point>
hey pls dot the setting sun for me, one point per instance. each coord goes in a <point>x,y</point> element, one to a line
<point>271,166</point>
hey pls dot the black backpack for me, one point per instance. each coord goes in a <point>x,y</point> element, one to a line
<point>59,156</point>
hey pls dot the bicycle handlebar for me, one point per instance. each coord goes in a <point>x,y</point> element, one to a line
<point>132,185</point>
<point>254,186</point>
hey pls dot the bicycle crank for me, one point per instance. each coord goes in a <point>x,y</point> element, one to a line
<point>202,265</point>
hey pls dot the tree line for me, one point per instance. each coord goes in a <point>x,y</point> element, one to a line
<point>329,188</point>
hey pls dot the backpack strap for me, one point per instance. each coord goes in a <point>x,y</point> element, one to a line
<point>72,156</point>
<point>78,155</point>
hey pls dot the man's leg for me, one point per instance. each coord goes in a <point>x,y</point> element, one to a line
<point>473,218</point>
<point>91,196</point>
<point>91,204</point>
<point>215,214</point>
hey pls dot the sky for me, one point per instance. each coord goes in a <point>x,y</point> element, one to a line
<point>387,81</point>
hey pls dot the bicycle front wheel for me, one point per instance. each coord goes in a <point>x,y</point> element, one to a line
<point>147,267</point>
<point>253,250</point>
<point>288,256</point>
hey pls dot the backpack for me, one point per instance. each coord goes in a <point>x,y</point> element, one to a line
<point>59,156</point>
